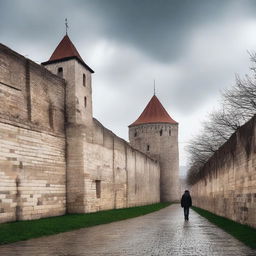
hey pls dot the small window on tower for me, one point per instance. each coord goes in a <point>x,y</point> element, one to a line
<point>135,134</point>
<point>84,80</point>
<point>60,72</point>
<point>148,147</point>
<point>85,102</point>
<point>170,132</point>
<point>161,132</point>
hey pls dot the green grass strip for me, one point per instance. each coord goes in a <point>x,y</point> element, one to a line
<point>243,233</point>
<point>23,230</point>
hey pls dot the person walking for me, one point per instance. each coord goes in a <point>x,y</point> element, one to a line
<point>186,202</point>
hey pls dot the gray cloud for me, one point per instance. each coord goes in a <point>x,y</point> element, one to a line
<point>159,28</point>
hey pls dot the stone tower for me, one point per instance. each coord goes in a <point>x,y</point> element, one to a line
<point>156,134</point>
<point>66,62</point>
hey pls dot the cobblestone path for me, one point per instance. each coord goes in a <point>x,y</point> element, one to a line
<point>159,233</point>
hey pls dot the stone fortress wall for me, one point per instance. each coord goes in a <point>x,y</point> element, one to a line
<point>52,162</point>
<point>226,185</point>
<point>128,177</point>
<point>32,140</point>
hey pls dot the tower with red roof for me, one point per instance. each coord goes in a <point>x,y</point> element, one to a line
<point>67,63</point>
<point>156,134</point>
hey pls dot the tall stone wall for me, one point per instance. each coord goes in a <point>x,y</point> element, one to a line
<point>126,176</point>
<point>32,140</point>
<point>50,164</point>
<point>226,185</point>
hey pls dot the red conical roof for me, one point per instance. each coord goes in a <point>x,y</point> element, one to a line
<point>65,51</point>
<point>154,112</point>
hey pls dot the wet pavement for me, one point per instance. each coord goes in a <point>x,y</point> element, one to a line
<point>159,233</point>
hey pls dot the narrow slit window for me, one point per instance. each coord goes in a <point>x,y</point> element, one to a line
<point>161,132</point>
<point>148,147</point>
<point>84,80</point>
<point>135,134</point>
<point>60,72</point>
<point>170,132</point>
<point>85,102</point>
<point>98,188</point>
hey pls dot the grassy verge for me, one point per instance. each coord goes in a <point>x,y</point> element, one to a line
<point>23,230</point>
<point>243,233</point>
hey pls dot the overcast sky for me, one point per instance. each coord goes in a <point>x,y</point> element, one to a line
<point>191,48</point>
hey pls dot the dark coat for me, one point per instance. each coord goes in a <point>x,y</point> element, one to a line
<point>186,200</point>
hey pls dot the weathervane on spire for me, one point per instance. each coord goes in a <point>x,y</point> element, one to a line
<point>66,24</point>
<point>154,87</point>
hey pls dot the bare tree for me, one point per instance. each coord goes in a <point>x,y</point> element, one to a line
<point>242,97</point>
<point>222,124</point>
<point>238,105</point>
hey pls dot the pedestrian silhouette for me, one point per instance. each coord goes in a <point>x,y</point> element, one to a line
<point>186,202</point>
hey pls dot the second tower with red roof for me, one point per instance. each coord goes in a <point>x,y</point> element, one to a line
<point>156,134</point>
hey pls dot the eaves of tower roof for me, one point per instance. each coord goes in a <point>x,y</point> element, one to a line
<point>65,51</point>
<point>154,112</point>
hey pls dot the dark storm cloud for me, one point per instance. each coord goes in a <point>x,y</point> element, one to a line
<point>191,47</point>
<point>159,28</point>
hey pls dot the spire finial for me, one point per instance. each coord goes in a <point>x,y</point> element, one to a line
<point>66,24</point>
<point>154,87</point>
